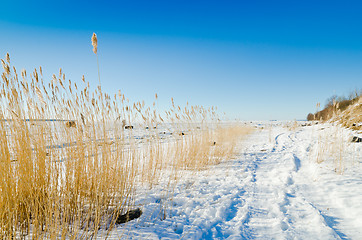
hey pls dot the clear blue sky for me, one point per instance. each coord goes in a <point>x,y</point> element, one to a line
<point>254,60</point>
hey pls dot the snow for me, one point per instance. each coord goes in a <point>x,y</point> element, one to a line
<point>272,189</point>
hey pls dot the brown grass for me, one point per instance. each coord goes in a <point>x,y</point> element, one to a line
<point>335,107</point>
<point>352,116</point>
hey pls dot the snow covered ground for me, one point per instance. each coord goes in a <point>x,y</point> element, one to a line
<point>273,189</point>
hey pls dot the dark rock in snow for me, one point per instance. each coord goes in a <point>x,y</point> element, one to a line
<point>356,139</point>
<point>70,124</point>
<point>128,127</point>
<point>129,216</point>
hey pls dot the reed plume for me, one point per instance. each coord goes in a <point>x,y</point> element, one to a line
<point>94,43</point>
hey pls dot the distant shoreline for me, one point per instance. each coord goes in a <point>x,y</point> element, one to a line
<point>38,120</point>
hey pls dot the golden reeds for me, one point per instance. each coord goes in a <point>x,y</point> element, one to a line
<point>67,182</point>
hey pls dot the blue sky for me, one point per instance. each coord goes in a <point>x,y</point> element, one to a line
<point>254,60</point>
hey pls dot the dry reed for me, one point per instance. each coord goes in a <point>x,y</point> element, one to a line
<point>60,180</point>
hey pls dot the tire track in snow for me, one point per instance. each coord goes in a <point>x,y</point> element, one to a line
<point>299,213</point>
<point>275,207</point>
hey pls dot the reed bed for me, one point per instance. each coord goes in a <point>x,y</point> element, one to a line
<point>68,166</point>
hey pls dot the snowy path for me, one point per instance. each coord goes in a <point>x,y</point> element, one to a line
<point>277,209</point>
<point>272,190</point>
